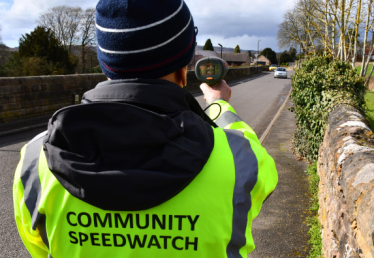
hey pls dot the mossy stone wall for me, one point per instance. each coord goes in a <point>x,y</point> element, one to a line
<point>346,188</point>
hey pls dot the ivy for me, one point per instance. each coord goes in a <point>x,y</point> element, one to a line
<point>319,85</point>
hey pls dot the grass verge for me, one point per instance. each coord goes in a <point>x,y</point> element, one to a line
<point>313,222</point>
<point>369,100</point>
<point>358,69</point>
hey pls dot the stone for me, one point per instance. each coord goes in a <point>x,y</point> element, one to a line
<point>36,95</point>
<point>365,222</point>
<point>346,170</point>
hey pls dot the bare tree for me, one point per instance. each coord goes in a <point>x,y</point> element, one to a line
<point>357,25</point>
<point>87,33</point>
<point>299,27</point>
<point>72,26</point>
<point>334,25</point>
<point>290,33</point>
<point>64,22</point>
<point>368,25</point>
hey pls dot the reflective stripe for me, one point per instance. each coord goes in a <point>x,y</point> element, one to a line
<point>31,184</point>
<point>227,118</point>
<point>143,27</point>
<point>246,170</point>
<point>145,49</point>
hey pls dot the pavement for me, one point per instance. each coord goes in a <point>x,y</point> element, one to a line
<point>280,230</point>
<point>24,125</point>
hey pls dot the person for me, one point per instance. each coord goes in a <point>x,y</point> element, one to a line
<point>138,169</point>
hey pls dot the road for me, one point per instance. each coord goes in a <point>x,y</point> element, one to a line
<point>256,100</point>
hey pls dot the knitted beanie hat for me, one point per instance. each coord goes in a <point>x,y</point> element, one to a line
<point>143,39</point>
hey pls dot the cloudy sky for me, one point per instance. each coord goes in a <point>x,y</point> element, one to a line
<point>228,22</point>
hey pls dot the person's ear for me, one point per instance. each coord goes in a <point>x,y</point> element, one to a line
<point>181,75</point>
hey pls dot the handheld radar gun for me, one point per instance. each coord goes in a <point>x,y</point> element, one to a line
<point>211,70</point>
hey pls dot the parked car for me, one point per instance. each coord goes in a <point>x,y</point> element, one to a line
<point>280,73</point>
<point>273,67</point>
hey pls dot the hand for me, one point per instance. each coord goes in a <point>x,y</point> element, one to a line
<point>218,91</point>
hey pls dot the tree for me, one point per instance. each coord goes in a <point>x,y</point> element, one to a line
<point>368,25</point>
<point>237,49</point>
<point>334,25</point>
<point>88,34</point>
<point>3,52</point>
<point>292,52</point>
<point>208,45</point>
<point>300,27</point>
<point>42,44</point>
<point>72,26</point>
<point>285,58</point>
<point>356,34</point>
<point>64,21</point>
<point>6,58</point>
<point>270,54</point>
<point>13,66</point>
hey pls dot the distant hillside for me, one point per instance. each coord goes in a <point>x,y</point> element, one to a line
<point>3,47</point>
<point>224,49</point>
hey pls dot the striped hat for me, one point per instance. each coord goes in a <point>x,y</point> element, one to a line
<point>143,39</point>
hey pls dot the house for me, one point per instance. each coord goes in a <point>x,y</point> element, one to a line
<point>367,52</point>
<point>262,59</point>
<point>206,53</point>
<point>199,54</point>
<point>233,59</point>
<point>236,59</point>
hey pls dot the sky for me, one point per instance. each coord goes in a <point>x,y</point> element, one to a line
<point>228,22</point>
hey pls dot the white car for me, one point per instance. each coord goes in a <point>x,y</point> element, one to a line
<point>280,73</point>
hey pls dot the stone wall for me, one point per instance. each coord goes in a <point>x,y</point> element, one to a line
<point>27,97</point>
<point>346,189</point>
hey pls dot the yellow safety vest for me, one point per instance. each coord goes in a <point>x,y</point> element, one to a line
<point>211,217</point>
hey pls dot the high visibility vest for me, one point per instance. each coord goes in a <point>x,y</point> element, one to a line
<point>211,217</point>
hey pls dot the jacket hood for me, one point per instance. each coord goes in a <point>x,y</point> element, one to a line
<point>135,145</point>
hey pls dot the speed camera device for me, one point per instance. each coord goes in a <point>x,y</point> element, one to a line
<point>211,70</point>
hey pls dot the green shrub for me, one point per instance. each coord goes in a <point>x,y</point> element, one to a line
<point>12,67</point>
<point>33,66</point>
<point>266,68</point>
<point>320,84</point>
<point>96,69</point>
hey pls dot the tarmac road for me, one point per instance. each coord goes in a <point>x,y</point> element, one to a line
<point>256,100</point>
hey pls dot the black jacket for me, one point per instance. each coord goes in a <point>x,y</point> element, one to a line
<point>133,145</point>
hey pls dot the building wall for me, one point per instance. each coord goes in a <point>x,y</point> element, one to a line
<point>27,97</point>
<point>264,59</point>
<point>231,63</point>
